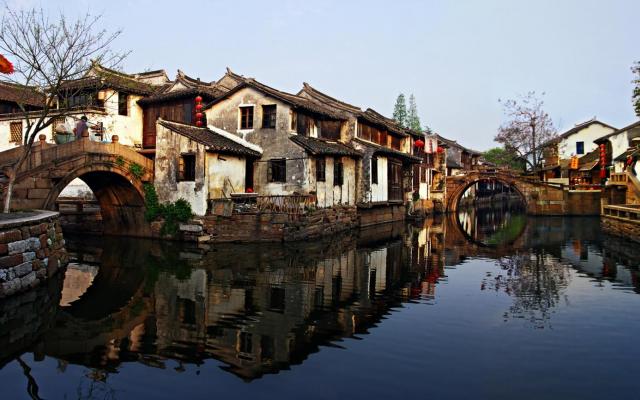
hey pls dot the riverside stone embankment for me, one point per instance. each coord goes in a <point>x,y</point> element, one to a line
<point>31,250</point>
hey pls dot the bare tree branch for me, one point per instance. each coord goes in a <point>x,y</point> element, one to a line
<point>47,55</point>
<point>527,129</point>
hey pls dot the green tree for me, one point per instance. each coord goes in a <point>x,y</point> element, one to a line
<point>413,121</point>
<point>502,157</point>
<point>428,130</point>
<point>400,111</point>
<point>636,90</point>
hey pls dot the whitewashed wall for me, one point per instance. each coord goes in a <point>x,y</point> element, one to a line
<point>567,146</point>
<point>329,194</point>
<point>380,190</point>
<point>226,175</point>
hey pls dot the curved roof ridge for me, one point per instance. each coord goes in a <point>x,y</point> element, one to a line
<point>306,87</point>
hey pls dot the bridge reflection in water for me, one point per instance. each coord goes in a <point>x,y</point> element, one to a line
<point>259,309</point>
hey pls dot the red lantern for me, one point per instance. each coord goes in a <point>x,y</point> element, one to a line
<point>198,123</point>
<point>419,143</point>
<point>249,190</point>
<point>198,99</point>
<point>440,149</point>
<point>198,107</point>
<point>603,173</point>
<point>199,115</point>
<point>5,65</point>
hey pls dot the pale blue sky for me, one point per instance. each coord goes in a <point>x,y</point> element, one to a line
<point>457,57</point>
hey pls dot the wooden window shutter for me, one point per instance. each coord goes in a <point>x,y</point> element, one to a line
<point>16,132</point>
<point>180,169</point>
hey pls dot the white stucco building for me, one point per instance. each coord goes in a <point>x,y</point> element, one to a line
<point>580,139</point>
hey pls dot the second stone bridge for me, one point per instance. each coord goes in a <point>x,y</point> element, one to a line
<point>539,198</point>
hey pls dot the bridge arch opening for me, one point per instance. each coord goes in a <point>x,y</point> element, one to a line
<point>490,212</point>
<point>116,208</point>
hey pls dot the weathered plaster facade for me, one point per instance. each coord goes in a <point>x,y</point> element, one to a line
<point>226,175</point>
<point>219,170</point>
<point>169,148</point>
<point>274,142</point>
<point>327,192</point>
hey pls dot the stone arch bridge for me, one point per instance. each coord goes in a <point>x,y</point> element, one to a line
<point>114,172</point>
<point>539,198</point>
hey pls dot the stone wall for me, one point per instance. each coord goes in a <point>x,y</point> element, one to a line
<point>278,227</point>
<point>621,227</point>
<point>582,202</point>
<point>31,251</point>
<point>381,214</point>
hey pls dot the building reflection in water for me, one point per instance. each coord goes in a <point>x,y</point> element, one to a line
<point>275,305</point>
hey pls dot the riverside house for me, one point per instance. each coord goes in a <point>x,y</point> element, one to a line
<point>108,98</point>
<point>173,102</point>
<point>200,164</point>
<point>303,150</point>
<point>390,160</point>
<point>578,141</point>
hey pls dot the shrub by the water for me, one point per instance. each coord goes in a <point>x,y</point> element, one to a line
<point>172,213</point>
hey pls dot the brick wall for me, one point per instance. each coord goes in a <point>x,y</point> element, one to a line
<point>31,251</point>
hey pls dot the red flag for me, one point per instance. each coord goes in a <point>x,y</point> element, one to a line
<point>5,65</point>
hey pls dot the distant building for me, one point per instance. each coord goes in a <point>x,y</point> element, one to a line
<point>577,141</point>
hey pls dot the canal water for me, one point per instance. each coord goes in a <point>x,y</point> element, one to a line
<point>486,304</point>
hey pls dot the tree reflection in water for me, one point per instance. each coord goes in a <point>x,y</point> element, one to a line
<point>535,280</point>
<point>259,309</point>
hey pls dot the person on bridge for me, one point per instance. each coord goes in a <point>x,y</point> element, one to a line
<point>81,127</point>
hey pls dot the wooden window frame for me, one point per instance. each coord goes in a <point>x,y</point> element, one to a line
<point>187,167</point>
<point>269,116</point>
<point>321,169</point>
<point>578,144</point>
<point>246,121</point>
<point>123,104</point>
<point>277,170</point>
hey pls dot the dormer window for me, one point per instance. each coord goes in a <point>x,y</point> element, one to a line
<point>246,117</point>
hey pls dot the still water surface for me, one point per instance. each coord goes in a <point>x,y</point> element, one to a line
<point>489,305</point>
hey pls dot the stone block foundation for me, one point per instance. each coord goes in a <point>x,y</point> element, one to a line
<point>31,250</point>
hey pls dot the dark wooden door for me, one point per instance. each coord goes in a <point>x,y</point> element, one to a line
<point>395,180</point>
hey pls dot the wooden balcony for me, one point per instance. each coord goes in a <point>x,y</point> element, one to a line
<point>618,179</point>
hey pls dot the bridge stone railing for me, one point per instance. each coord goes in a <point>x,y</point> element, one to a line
<point>44,153</point>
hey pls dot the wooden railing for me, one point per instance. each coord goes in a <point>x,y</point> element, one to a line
<point>290,204</point>
<point>618,179</point>
<point>627,212</point>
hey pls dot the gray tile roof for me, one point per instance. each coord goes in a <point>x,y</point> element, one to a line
<point>214,141</point>
<point>323,147</point>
